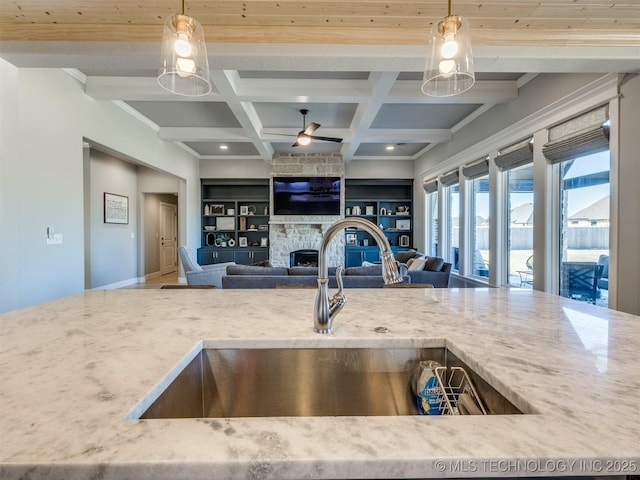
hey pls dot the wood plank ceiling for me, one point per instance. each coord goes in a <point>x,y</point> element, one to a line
<point>390,22</point>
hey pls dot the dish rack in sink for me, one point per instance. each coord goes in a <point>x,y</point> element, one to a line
<point>457,395</point>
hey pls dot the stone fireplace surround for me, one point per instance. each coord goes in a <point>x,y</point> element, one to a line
<point>288,233</point>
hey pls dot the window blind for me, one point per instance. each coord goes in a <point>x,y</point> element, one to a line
<point>449,179</point>
<point>476,169</point>
<point>430,186</point>
<point>515,155</point>
<point>581,135</point>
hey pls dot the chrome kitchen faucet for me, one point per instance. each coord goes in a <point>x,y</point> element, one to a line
<point>326,309</point>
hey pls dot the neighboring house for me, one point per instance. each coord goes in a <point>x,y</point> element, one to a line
<point>595,215</point>
<point>522,214</point>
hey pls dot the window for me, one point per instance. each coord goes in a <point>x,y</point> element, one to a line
<point>480,226</point>
<point>453,225</point>
<point>451,221</point>
<point>579,147</point>
<point>431,191</point>
<point>520,225</point>
<point>478,219</point>
<point>584,227</point>
<point>433,221</point>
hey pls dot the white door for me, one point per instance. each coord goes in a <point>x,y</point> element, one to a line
<point>168,237</point>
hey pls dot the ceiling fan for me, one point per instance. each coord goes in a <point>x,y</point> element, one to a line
<point>306,134</point>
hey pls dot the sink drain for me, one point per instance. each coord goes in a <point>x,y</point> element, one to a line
<point>381,330</point>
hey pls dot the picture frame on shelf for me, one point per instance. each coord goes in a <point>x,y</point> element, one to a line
<point>244,210</point>
<point>352,239</point>
<point>404,224</point>
<point>403,241</point>
<point>116,208</point>
<point>264,242</point>
<point>216,209</point>
<point>225,223</point>
<point>368,210</point>
<point>243,242</point>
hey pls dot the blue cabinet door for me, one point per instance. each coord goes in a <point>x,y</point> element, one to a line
<point>354,256</point>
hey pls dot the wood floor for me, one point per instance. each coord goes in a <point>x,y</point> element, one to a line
<point>157,282</point>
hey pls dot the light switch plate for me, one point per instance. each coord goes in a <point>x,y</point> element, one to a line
<point>55,240</point>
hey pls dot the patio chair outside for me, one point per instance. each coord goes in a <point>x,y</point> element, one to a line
<point>579,280</point>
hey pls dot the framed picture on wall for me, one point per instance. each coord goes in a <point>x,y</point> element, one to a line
<point>116,208</point>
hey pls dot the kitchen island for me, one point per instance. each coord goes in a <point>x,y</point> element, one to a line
<point>72,369</point>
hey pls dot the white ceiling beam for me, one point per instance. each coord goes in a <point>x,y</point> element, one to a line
<point>381,84</point>
<point>404,135</point>
<point>302,90</point>
<point>244,112</point>
<point>485,91</point>
<point>137,88</point>
<point>203,134</point>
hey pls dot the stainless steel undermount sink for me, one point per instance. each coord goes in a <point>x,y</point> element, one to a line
<point>278,382</point>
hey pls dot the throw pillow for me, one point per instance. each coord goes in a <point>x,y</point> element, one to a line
<point>404,257</point>
<point>417,264</point>
<point>434,264</point>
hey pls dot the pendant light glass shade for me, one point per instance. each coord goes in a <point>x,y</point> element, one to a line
<point>185,67</point>
<point>449,69</point>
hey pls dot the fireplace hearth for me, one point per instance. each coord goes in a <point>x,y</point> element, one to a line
<point>303,258</point>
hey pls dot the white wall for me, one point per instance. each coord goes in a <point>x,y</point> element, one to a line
<point>113,247</point>
<point>45,119</point>
<point>379,169</point>
<point>628,198</point>
<point>234,169</point>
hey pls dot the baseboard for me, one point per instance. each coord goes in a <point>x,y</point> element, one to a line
<point>149,276</point>
<point>121,284</point>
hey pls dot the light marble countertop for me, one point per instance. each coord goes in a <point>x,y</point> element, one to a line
<point>71,369</point>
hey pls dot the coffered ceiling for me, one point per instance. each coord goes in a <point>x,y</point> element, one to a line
<point>356,66</point>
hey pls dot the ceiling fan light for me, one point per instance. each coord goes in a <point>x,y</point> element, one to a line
<point>184,67</point>
<point>449,70</point>
<point>303,139</point>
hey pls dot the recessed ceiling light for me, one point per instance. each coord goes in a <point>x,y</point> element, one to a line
<point>390,147</point>
<point>224,147</point>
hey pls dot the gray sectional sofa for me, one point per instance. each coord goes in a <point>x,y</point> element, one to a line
<point>248,276</point>
<point>414,268</point>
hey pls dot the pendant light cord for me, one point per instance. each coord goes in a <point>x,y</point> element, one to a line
<point>447,15</point>
<point>449,7</point>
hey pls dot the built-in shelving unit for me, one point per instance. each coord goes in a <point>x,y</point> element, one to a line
<point>388,204</point>
<point>235,221</point>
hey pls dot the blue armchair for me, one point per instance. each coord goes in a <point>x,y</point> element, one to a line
<point>201,275</point>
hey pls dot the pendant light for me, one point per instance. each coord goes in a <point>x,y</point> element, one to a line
<point>185,67</point>
<point>449,69</point>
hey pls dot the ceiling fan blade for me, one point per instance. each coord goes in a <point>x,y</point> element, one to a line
<point>327,139</point>
<point>311,128</point>
<point>281,134</point>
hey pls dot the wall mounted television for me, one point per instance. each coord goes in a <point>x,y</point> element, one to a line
<point>306,195</point>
